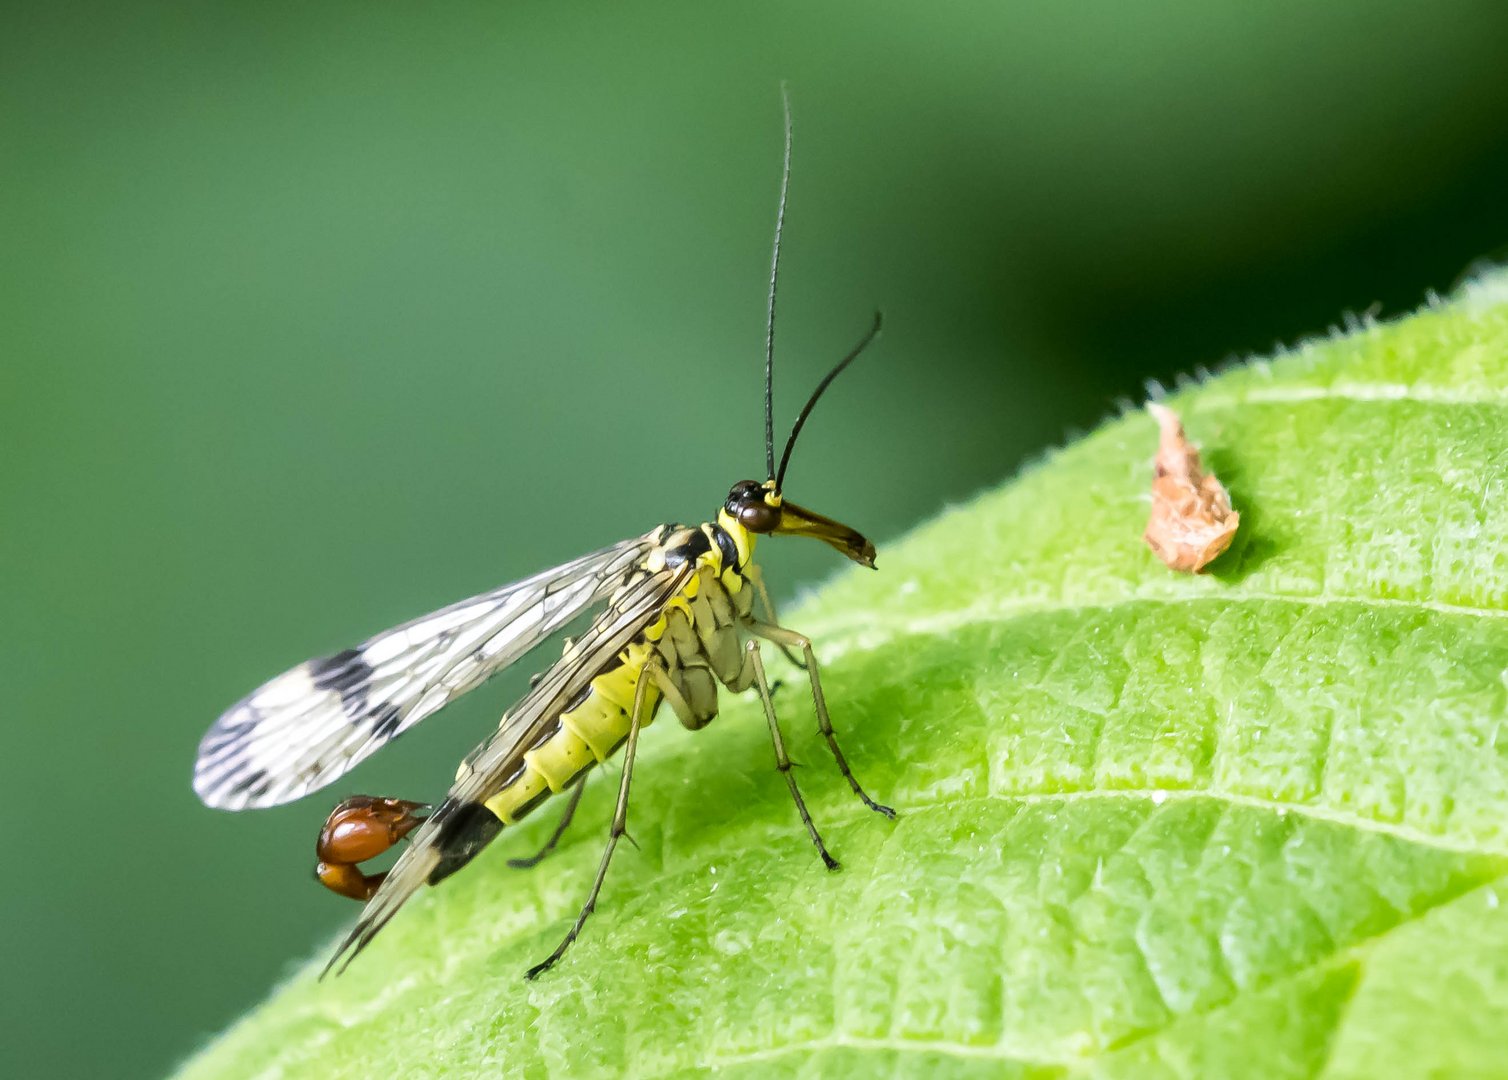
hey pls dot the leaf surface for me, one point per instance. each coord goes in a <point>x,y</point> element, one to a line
<point>1248,824</point>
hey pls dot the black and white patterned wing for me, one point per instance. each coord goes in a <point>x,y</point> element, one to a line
<point>308,726</point>
<point>447,838</point>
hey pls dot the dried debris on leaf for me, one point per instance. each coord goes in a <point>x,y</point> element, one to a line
<point>1192,521</point>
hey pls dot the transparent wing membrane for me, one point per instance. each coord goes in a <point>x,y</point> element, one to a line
<point>309,726</point>
<point>488,767</point>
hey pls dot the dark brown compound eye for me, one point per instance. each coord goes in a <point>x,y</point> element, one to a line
<point>745,491</point>
<point>758,517</point>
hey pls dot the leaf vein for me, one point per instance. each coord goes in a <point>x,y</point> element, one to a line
<point>1362,393</point>
<point>840,636</point>
<point>1158,796</point>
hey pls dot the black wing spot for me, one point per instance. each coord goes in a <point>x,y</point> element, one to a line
<point>385,721</point>
<point>224,741</point>
<point>347,674</point>
<point>253,783</point>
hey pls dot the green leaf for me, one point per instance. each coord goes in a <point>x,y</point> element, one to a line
<point>1247,824</point>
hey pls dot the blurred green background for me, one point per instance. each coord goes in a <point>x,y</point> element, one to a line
<point>315,317</point>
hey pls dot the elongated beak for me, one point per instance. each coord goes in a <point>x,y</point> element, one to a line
<point>799,521</point>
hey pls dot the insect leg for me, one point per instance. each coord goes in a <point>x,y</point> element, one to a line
<point>675,699</point>
<point>560,828</point>
<point>779,635</point>
<point>619,828</point>
<point>782,761</point>
<point>774,620</point>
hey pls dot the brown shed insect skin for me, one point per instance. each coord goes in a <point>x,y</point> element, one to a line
<point>1191,523</point>
<point>361,828</point>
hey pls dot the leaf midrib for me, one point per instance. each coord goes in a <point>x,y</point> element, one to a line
<point>1362,393</point>
<point>838,636</point>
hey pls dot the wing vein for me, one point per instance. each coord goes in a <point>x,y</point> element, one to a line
<point>309,726</point>
<point>488,767</point>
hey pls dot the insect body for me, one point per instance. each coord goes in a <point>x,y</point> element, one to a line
<point>684,610</point>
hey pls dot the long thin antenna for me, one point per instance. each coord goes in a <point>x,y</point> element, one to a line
<point>769,336</point>
<point>790,444</point>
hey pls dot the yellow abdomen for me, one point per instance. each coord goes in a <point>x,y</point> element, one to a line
<point>587,735</point>
<point>590,733</point>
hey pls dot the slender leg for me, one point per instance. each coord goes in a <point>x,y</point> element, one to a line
<point>774,620</point>
<point>560,828</point>
<point>618,830</point>
<point>782,761</point>
<point>675,699</point>
<point>780,634</point>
